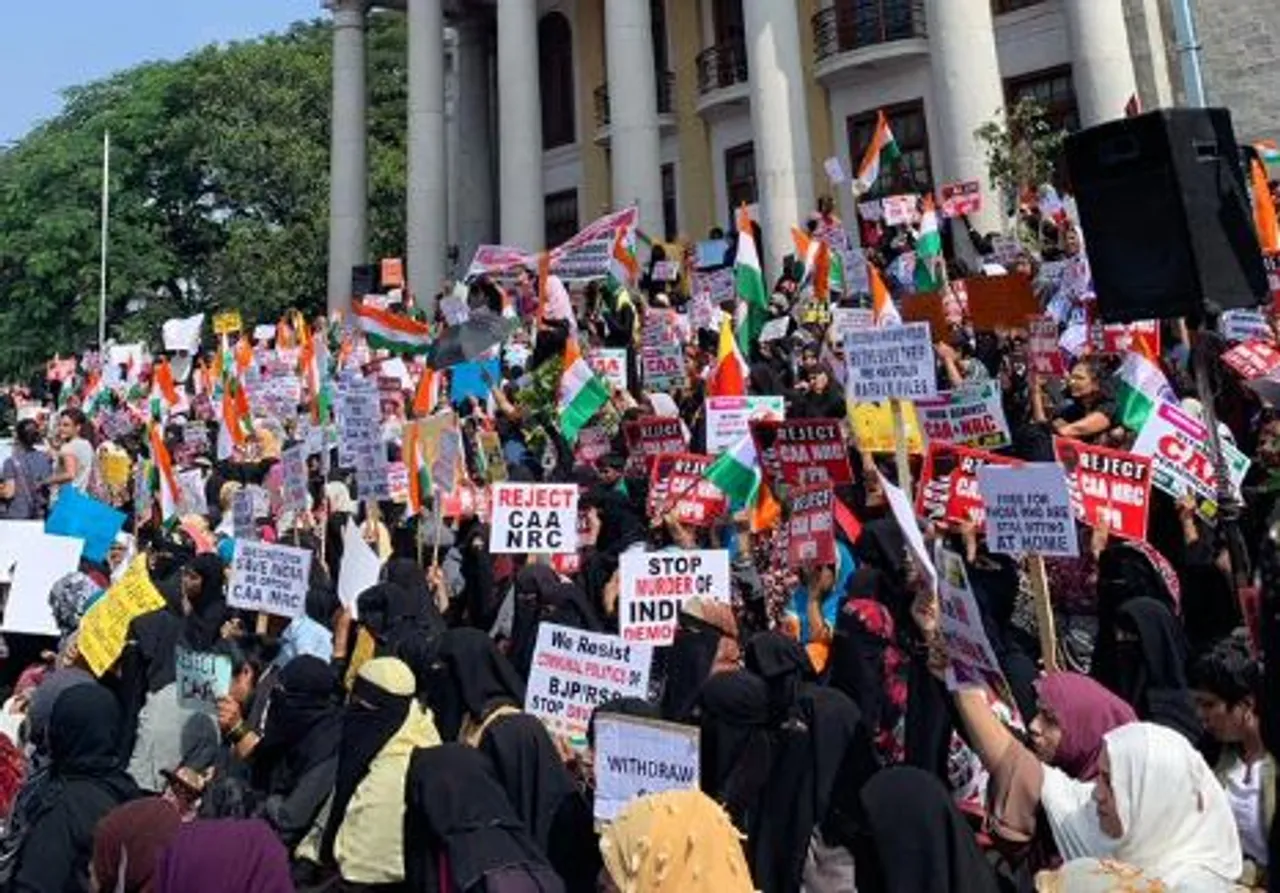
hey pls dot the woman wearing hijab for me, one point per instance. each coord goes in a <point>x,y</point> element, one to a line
<point>675,842</point>
<point>203,602</point>
<point>532,597</point>
<point>382,726</point>
<point>296,761</point>
<point>52,826</point>
<point>545,796</point>
<point>466,835</point>
<point>127,845</point>
<point>405,573</point>
<point>224,856</point>
<point>706,642</point>
<point>810,616</point>
<point>915,839</point>
<point>1075,713</point>
<point>473,687</point>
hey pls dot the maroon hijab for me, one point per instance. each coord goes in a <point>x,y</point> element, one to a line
<point>1085,711</point>
<point>224,856</point>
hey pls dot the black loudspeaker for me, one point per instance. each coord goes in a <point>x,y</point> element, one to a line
<point>364,280</point>
<point>1166,216</point>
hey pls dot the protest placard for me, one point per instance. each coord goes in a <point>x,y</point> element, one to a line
<point>677,486</point>
<point>594,443</point>
<point>1043,349</point>
<point>654,584</point>
<point>900,210</point>
<point>662,353</point>
<point>890,362</point>
<point>14,536</point>
<point>872,426</point>
<point>635,756</point>
<point>811,535</point>
<point>652,436</point>
<point>242,524</point>
<point>1140,337</point>
<point>957,199</point>
<point>1001,302</point>
<point>228,322</point>
<point>105,625</point>
<point>957,482</point>
<point>1028,510</point>
<point>1245,325</point>
<point>775,329</point>
<point>972,659</point>
<point>539,519</point>
<point>78,515</point>
<point>588,253</point>
<point>203,678</point>
<point>904,516</point>
<point>802,452</point>
<point>295,496</point>
<point>610,363</point>
<point>360,567</point>
<point>1182,458</point>
<point>1107,486</point>
<point>717,285</point>
<point>269,577</point>
<point>398,482</point>
<point>665,271</point>
<point>729,419</point>
<point>834,170</point>
<point>1253,359</point>
<point>1006,250</point>
<point>969,416</point>
<point>40,559</point>
<point>574,671</point>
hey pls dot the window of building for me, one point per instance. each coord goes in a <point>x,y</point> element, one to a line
<point>913,173</point>
<point>740,177</point>
<point>999,7</point>
<point>728,22</point>
<point>670,210</point>
<point>555,79</point>
<point>560,214</point>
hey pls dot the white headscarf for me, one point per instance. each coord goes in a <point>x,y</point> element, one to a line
<point>1177,823</point>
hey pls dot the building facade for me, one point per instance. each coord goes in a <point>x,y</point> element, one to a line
<point>528,118</point>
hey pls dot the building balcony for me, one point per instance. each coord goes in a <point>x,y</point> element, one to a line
<point>666,82</point>
<point>722,76</point>
<point>856,33</point>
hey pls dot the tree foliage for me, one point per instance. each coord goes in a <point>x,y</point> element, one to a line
<point>219,191</point>
<point>1023,148</point>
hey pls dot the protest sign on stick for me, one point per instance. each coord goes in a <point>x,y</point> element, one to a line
<point>1182,459</point>
<point>801,452</point>
<point>970,416</point>
<point>540,519</point>
<point>654,584</point>
<point>105,625</point>
<point>678,485</point>
<point>635,756</point>
<point>811,526</point>
<point>574,671</point>
<point>269,578</point>
<point>203,678</point>
<point>890,362</point>
<point>1108,487</point>
<point>972,660</point>
<point>1028,510</point>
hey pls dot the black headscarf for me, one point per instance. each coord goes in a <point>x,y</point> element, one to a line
<point>917,841</point>
<point>545,797</point>
<point>620,526</point>
<point>303,727</point>
<point>784,665</point>
<point>736,746</point>
<point>455,810</point>
<point>882,546</point>
<point>473,679</point>
<point>689,662</point>
<point>405,573</point>
<point>203,626</point>
<point>541,595</point>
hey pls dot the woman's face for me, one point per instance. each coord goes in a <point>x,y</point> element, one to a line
<point>1104,799</point>
<point>191,586</point>
<point>1081,382</point>
<point>1046,735</point>
<point>66,429</point>
<point>820,381</point>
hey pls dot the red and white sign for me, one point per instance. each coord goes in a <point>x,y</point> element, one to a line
<point>610,363</point>
<point>654,584</point>
<point>1108,487</point>
<point>575,671</point>
<point>1182,460</point>
<point>677,486</point>
<point>961,198</point>
<point>534,519</point>
<point>900,209</point>
<point>1043,349</point>
<point>1140,337</point>
<point>652,436</point>
<point>1252,359</point>
<point>803,452</point>
<point>811,537</point>
<point>592,446</point>
<point>949,483</point>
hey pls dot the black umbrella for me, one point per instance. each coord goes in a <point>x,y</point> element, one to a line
<point>465,342</point>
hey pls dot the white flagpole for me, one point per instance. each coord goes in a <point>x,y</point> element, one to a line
<point>102,269</point>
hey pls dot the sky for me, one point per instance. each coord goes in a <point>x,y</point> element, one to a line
<point>48,45</point>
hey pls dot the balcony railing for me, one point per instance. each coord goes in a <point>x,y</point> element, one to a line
<point>720,66</point>
<point>666,81</point>
<point>856,24</point>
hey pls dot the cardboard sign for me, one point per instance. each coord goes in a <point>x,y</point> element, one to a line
<point>105,625</point>
<point>1182,459</point>
<point>295,497</point>
<point>269,577</point>
<point>1107,486</point>
<point>904,517</point>
<point>662,353</point>
<point>227,323</point>
<point>242,524</point>
<point>971,416</point>
<point>78,515</point>
<point>890,362</point>
<point>1043,350</point>
<point>1253,359</point>
<point>835,170</point>
<point>654,584</point>
<point>574,671</point>
<point>872,426</point>
<point>1028,510</point>
<point>729,419</point>
<point>958,199</point>
<point>900,210</point>
<point>949,483</point>
<point>677,485</point>
<point>1001,302</point>
<point>203,678</point>
<point>537,519</point>
<point>652,436</point>
<point>610,363</point>
<point>811,536</point>
<point>972,659</point>
<point>1140,337</point>
<point>1245,325</point>
<point>717,285</point>
<point>803,452</point>
<point>850,319</point>
<point>635,756</point>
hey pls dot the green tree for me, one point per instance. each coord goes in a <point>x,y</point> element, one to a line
<point>1023,149</point>
<point>219,191</point>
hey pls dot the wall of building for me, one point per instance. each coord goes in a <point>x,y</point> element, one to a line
<point>1241,59</point>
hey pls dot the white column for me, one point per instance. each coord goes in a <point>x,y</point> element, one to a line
<point>780,124</point>
<point>472,191</point>
<point>633,110</point>
<point>348,164</point>
<point>520,125</point>
<point>1101,65</point>
<point>427,196</point>
<point>967,93</point>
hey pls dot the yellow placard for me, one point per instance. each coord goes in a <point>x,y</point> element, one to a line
<point>227,323</point>
<point>106,624</point>
<point>115,469</point>
<point>873,427</point>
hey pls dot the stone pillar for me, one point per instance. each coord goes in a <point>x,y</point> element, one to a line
<point>520,125</point>
<point>472,187</point>
<point>967,93</point>
<point>779,122</point>
<point>1101,65</point>
<point>426,229</point>
<point>633,110</point>
<point>348,154</point>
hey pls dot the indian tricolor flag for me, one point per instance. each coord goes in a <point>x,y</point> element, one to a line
<point>427,396</point>
<point>730,376</point>
<point>582,393</point>
<point>930,266</point>
<point>738,475</point>
<point>1264,209</point>
<point>1142,387</point>
<point>313,362</point>
<point>883,151</point>
<point>167,483</point>
<point>235,418</point>
<point>391,331</point>
<point>415,461</point>
<point>748,279</point>
<point>816,256</point>
<point>883,311</point>
<point>624,269</point>
<point>164,393</point>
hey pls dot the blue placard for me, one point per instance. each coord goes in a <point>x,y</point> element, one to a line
<point>97,523</point>
<point>468,379</point>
